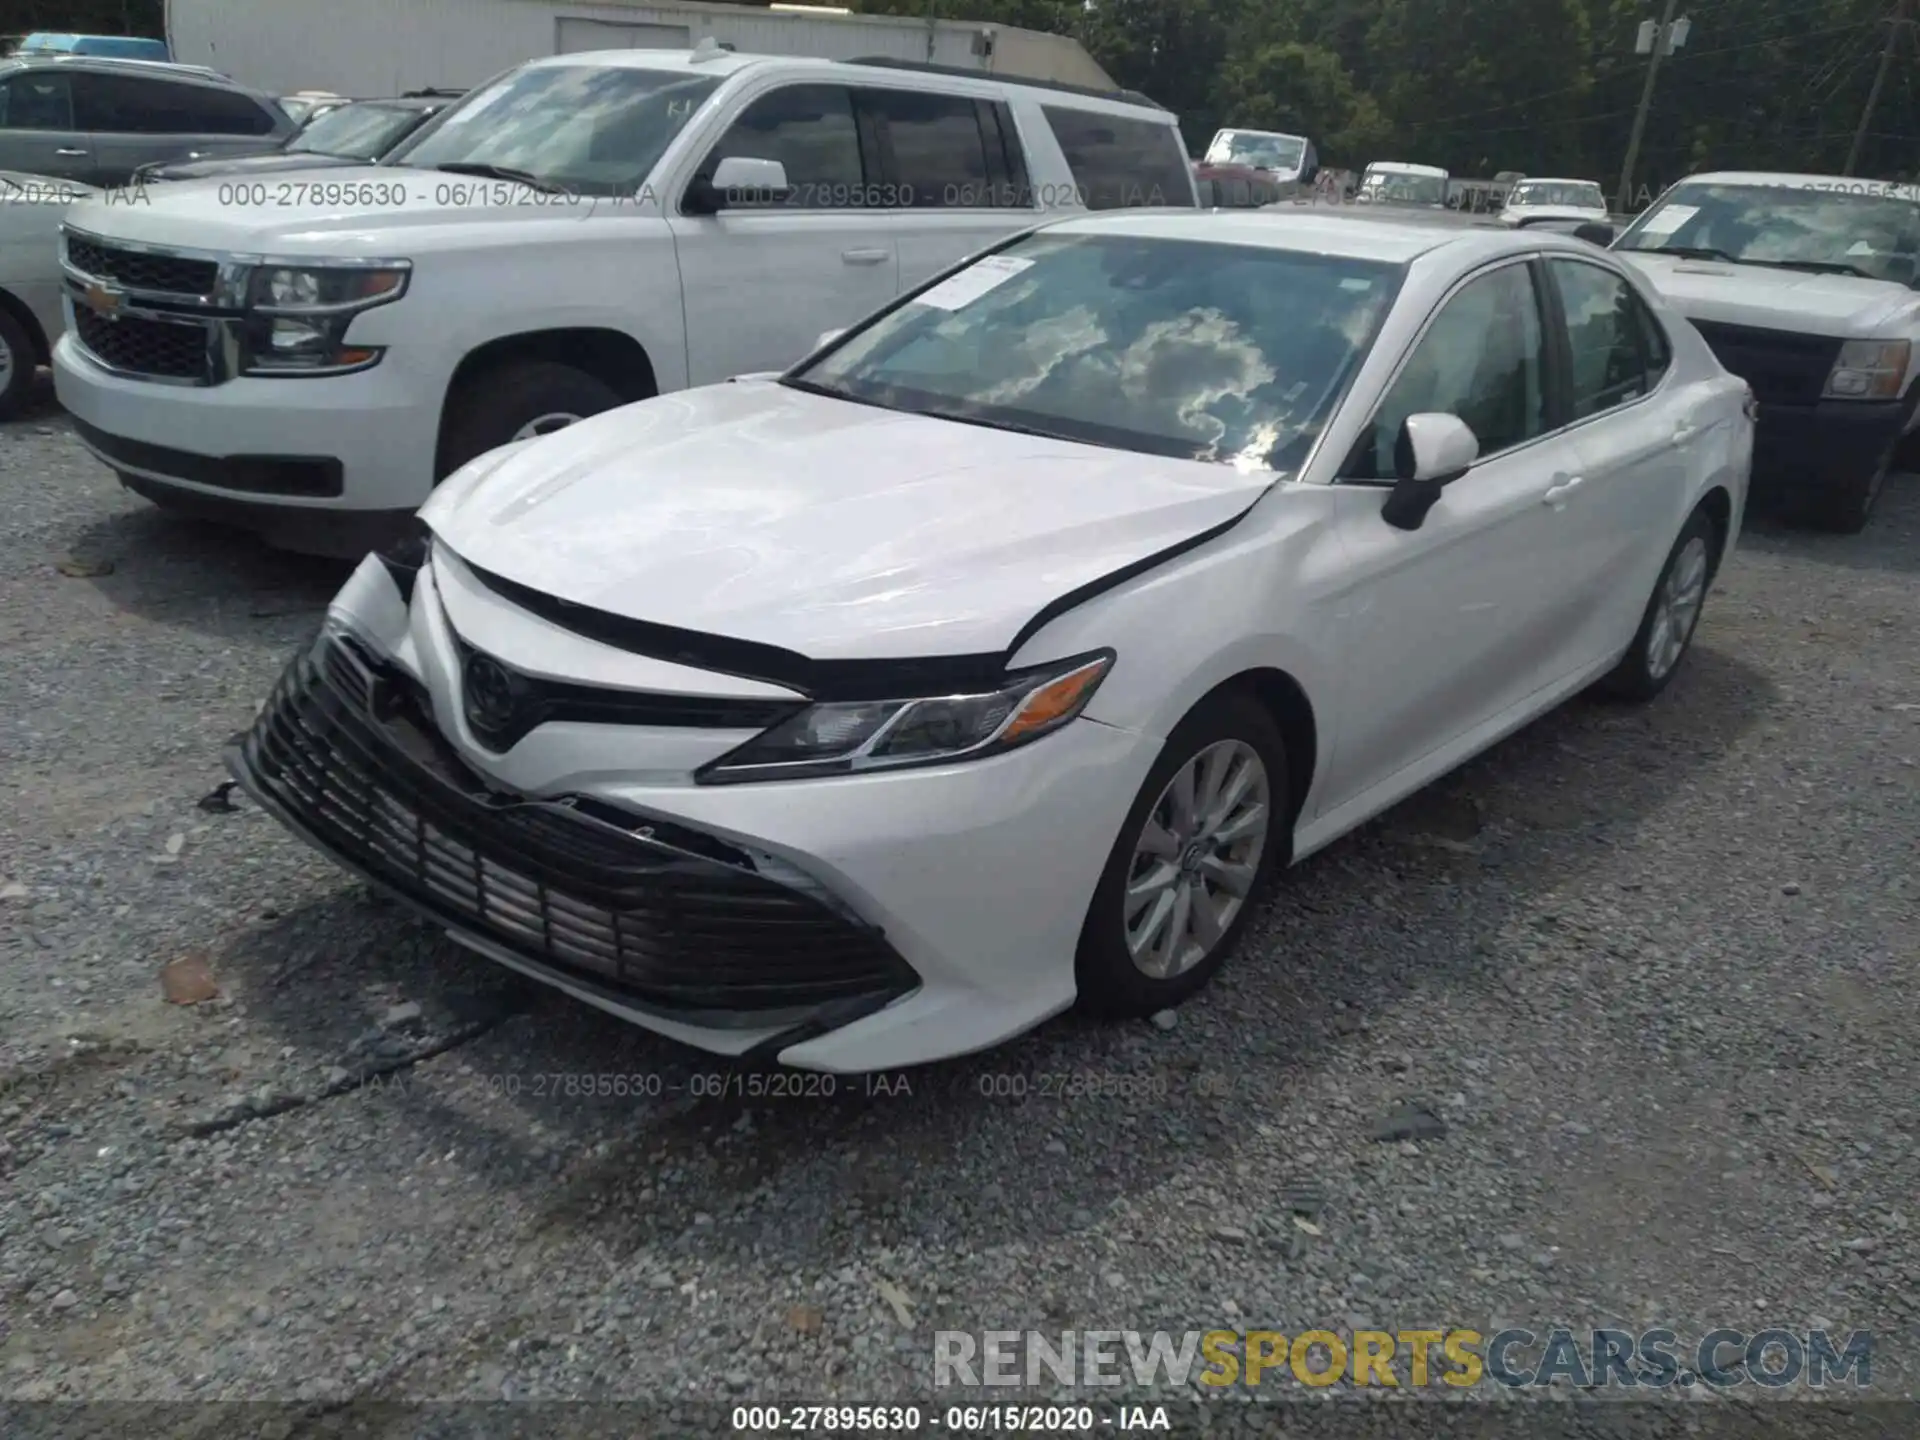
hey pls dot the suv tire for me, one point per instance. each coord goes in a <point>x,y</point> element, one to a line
<point>496,406</point>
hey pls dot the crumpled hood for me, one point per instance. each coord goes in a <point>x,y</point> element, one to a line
<point>835,530</point>
<point>1840,306</point>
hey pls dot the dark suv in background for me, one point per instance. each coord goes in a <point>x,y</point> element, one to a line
<point>360,130</point>
<point>97,121</point>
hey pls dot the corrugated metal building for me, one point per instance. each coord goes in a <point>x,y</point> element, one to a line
<point>385,47</point>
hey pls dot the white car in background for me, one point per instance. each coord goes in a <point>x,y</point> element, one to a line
<point>1396,182</point>
<point>999,654</point>
<point>1532,201</point>
<point>1806,285</point>
<point>30,318</point>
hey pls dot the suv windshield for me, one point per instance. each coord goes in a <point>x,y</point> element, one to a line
<point>1544,192</point>
<point>1193,349</point>
<point>1266,152</point>
<point>1857,227</point>
<point>594,130</point>
<point>1404,189</point>
<point>355,132</point>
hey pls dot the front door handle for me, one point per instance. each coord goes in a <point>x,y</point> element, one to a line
<point>70,154</point>
<point>864,257</point>
<point>1684,431</point>
<point>1563,486</point>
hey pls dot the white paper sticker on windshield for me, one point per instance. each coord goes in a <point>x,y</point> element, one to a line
<point>1861,247</point>
<point>1669,219</point>
<point>958,291</point>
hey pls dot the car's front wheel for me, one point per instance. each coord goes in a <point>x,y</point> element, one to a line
<point>1672,615</point>
<point>518,401</point>
<point>1197,851</point>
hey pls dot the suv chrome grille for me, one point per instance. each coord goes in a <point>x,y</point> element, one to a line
<point>138,270</point>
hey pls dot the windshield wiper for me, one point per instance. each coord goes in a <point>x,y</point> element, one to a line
<point>1686,252</point>
<point>501,172</point>
<point>1816,267</point>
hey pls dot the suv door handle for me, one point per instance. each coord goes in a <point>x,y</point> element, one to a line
<point>1558,492</point>
<point>1684,431</point>
<point>864,257</point>
<point>70,154</point>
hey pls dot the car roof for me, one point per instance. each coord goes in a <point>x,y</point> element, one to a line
<point>722,63</point>
<point>1404,167</point>
<point>1348,231</point>
<point>1785,180</point>
<point>1552,180</point>
<point>173,69</point>
<point>1242,130</point>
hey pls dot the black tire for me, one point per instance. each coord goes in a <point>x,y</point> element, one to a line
<point>1636,678</point>
<point>17,378</point>
<point>487,411</point>
<point>1109,983</point>
<point>1845,509</point>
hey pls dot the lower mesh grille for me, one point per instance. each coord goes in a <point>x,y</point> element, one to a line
<point>344,751</point>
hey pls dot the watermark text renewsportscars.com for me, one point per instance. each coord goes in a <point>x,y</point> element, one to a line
<point>1413,1358</point>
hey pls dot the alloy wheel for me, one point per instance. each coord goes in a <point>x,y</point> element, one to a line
<point>1196,859</point>
<point>545,425</point>
<point>1677,610</point>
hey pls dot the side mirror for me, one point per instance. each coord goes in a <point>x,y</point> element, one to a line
<point>1432,452</point>
<point>737,180</point>
<point>1595,232</point>
<point>827,337</point>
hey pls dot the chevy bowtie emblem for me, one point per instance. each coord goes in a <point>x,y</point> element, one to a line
<point>103,299</point>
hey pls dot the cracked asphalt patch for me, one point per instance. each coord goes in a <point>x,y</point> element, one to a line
<point>1647,976</point>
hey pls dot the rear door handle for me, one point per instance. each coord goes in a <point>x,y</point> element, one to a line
<point>70,154</point>
<point>864,257</point>
<point>1564,486</point>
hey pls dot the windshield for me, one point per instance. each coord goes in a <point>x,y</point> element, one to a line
<point>1265,152</point>
<point>1193,349</point>
<point>1550,192</point>
<point>591,129</point>
<point>1868,228</point>
<point>1404,189</point>
<point>355,132</point>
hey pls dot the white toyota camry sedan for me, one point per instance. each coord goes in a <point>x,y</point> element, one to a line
<point>998,655</point>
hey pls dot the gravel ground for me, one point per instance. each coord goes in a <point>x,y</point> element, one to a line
<point>1652,970</point>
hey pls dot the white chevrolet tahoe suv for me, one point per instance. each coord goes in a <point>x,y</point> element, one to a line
<point>307,355</point>
<point>1808,288</point>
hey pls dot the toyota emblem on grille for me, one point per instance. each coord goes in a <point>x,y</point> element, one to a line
<point>492,695</point>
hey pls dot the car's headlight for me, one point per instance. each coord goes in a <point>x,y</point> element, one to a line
<point>1869,370</point>
<point>849,737</point>
<point>297,317</point>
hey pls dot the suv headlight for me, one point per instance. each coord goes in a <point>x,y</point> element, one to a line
<point>854,736</point>
<point>1869,370</point>
<point>297,317</point>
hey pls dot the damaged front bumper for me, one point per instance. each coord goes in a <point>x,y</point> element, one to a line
<point>640,915</point>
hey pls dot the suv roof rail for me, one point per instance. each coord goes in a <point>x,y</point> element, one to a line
<point>199,72</point>
<point>431,93</point>
<point>918,67</point>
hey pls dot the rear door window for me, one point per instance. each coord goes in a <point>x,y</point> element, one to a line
<point>1118,162</point>
<point>139,105</point>
<point>945,151</point>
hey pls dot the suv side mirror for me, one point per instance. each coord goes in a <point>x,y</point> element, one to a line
<point>737,180</point>
<point>827,337</point>
<point>1594,232</point>
<point>1433,450</point>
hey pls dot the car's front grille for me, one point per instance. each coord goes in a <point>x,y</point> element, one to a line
<point>138,346</point>
<point>667,918</point>
<point>1782,368</point>
<point>138,270</point>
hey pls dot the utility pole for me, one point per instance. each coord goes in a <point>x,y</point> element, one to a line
<point>1894,27</point>
<point>1660,36</point>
